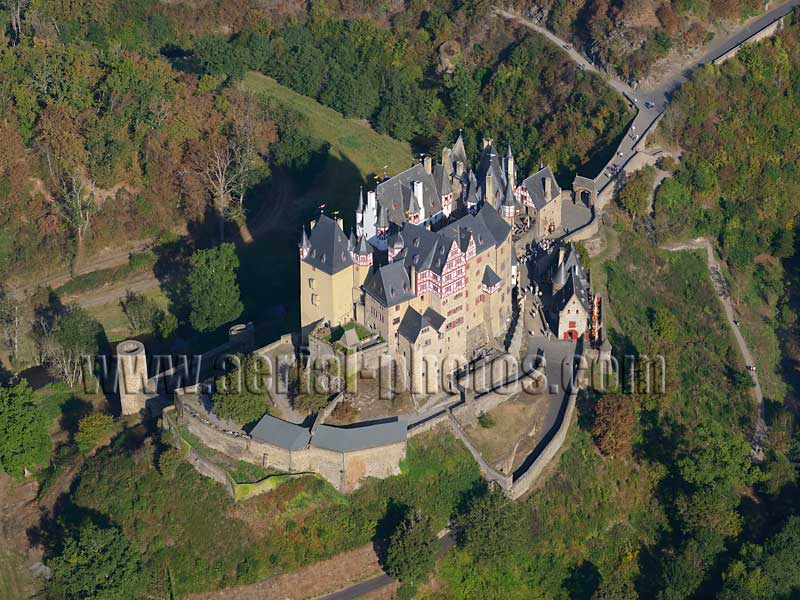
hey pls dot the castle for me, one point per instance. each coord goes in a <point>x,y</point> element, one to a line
<point>430,265</point>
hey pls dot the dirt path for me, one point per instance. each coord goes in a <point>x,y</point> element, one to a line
<point>721,287</point>
<point>18,512</point>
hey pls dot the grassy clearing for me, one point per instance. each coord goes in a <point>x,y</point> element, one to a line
<point>138,263</point>
<point>114,321</point>
<point>351,140</point>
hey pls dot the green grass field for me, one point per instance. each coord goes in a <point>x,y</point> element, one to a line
<point>350,139</point>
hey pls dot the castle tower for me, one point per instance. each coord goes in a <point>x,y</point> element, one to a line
<point>131,376</point>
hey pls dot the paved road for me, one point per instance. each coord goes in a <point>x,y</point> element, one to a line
<point>724,297</point>
<point>659,96</point>
<point>379,581</point>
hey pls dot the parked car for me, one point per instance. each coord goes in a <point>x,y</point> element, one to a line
<point>649,104</point>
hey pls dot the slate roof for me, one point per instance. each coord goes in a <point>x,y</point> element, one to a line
<point>458,153</point>
<point>280,433</point>
<point>472,189</point>
<point>389,284</point>
<point>413,323</point>
<point>329,247</point>
<point>535,186</point>
<point>496,225</point>
<point>490,278</point>
<point>491,162</point>
<point>584,183</point>
<point>574,287</point>
<point>395,194</point>
<point>442,180</point>
<point>348,439</point>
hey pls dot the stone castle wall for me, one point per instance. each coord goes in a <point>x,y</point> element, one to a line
<point>345,471</point>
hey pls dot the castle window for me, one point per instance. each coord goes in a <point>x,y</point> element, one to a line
<point>311,282</point>
<point>314,299</point>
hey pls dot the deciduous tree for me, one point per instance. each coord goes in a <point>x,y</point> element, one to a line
<point>24,441</point>
<point>213,287</point>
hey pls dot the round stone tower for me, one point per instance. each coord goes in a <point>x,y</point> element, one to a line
<point>131,375</point>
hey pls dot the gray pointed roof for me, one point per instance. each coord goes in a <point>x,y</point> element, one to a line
<point>413,323</point>
<point>389,284</point>
<point>573,287</point>
<point>490,278</point>
<point>442,180</point>
<point>472,189</point>
<point>509,199</point>
<point>491,163</point>
<point>458,152</point>
<point>351,241</point>
<point>535,186</point>
<point>360,205</point>
<point>364,248</point>
<point>383,220</point>
<point>396,194</point>
<point>304,243</point>
<point>328,247</point>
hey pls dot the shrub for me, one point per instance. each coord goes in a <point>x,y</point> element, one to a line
<point>92,430</point>
<point>486,421</point>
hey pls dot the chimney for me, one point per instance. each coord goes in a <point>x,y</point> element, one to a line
<point>419,195</point>
<point>548,188</point>
<point>311,225</point>
<point>427,164</point>
<point>447,161</point>
<point>340,223</point>
<point>459,168</point>
<point>489,191</point>
<point>413,274</point>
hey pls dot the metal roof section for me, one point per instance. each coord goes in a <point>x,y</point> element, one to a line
<point>283,434</point>
<point>359,437</point>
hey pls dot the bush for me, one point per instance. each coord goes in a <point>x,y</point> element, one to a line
<point>165,324</point>
<point>140,311</point>
<point>92,430</point>
<point>241,394</point>
<point>486,421</point>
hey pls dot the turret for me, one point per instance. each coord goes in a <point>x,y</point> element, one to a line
<point>360,212</point>
<point>396,245</point>
<point>471,203</point>
<point>305,245</point>
<point>509,206</point>
<point>382,224</point>
<point>511,174</point>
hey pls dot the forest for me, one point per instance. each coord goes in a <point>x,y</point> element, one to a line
<point>654,496</point>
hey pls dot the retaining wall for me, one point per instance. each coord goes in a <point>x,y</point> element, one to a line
<point>766,32</point>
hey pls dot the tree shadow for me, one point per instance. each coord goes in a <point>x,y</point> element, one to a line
<point>396,511</point>
<point>582,581</point>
